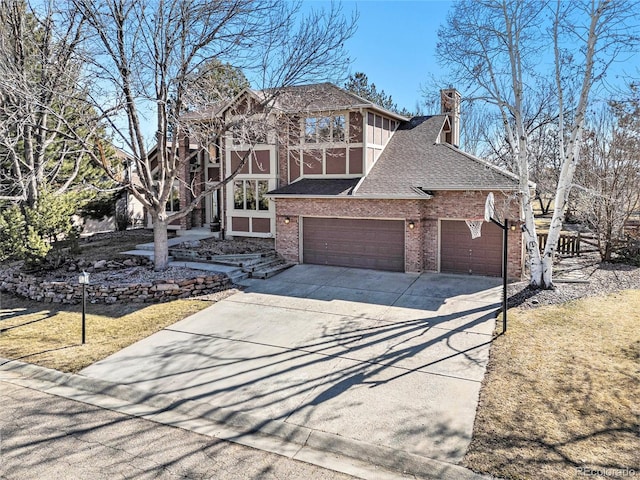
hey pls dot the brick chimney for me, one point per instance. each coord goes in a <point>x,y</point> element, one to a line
<point>450,106</point>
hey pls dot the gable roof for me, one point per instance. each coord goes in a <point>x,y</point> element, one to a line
<point>321,97</point>
<point>414,161</point>
<point>317,97</point>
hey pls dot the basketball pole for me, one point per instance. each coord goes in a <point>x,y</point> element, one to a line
<point>505,238</point>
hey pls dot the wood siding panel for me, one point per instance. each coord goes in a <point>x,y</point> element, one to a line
<point>261,225</point>
<point>240,224</point>
<point>236,159</point>
<point>261,162</point>
<point>294,165</point>
<point>312,162</point>
<point>355,160</point>
<point>375,244</point>
<point>336,159</point>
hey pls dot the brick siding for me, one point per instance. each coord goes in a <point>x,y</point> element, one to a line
<point>421,243</point>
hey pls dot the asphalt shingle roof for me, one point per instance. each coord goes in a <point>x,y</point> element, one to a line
<point>412,162</point>
<point>320,97</point>
<point>341,187</point>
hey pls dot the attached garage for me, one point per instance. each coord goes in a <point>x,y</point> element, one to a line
<point>359,243</point>
<point>459,253</point>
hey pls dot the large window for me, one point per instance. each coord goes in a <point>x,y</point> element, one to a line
<point>324,129</point>
<point>250,195</point>
<point>173,204</point>
<point>248,134</point>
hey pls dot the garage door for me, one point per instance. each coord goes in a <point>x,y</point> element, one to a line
<point>459,253</point>
<point>376,244</point>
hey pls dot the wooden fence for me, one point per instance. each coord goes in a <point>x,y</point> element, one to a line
<point>567,244</point>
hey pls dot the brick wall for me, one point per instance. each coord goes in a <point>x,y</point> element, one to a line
<point>421,243</point>
<point>470,205</point>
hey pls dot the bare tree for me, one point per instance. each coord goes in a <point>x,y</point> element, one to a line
<point>148,54</point>
<point>499,48</point>
<point>609,174</point>
<point>45,122</point>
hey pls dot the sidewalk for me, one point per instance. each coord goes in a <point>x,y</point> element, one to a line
<point>576,269</point>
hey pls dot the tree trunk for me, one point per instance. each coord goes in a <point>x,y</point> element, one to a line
<point>541,272</point>
<point>160,243</point>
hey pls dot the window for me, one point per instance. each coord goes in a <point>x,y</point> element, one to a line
<point>250,195</point>
<point>310,129</point>
<point>238,194</point>
<point>324,129</point>
<point>173,204</point>
<point>248,134</point>
<point>338,128</point>
<point>263,188</point>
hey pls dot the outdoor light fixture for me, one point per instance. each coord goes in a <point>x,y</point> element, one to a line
<point>287,220</point>
<point>83,280</point>
<point>412,225</point>
<point>513,227</point>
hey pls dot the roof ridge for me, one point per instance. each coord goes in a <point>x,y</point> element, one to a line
<point>486,163</point>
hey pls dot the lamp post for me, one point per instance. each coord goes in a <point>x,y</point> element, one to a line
<point>83,280</point>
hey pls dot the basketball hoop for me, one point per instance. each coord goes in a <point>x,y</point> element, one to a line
<point>475,226</point>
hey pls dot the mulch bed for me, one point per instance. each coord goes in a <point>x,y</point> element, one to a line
<point>600,279</point>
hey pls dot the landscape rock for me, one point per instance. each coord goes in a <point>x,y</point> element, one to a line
<point>99,265</point>
<point>133,284</point>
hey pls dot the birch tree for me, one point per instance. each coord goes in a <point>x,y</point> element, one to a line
<point>499,49</point>
<point>148,53</point>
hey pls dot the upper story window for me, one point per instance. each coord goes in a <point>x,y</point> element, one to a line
<point>327,129</point>
<point>248,134</point>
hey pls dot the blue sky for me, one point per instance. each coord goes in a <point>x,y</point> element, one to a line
<point>395,44</point>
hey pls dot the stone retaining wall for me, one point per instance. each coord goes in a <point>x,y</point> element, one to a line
<point>71,293</point>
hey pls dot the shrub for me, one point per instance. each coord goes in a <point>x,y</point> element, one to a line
<point>12,225</point>
<point>30,233</point>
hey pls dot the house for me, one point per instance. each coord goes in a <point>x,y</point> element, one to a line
<point>338,180</point>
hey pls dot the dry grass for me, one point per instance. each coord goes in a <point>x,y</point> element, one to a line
<point>110,245</point>
<point>561,392</point>
<point>50,335</point>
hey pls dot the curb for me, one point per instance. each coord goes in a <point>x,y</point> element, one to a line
<point>353,457</point>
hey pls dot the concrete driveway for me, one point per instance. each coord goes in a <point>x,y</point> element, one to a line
<point>385,359</point>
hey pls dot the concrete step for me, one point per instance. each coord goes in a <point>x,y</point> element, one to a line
<point>207,267</point>
<point>271,271</point>
<point>238,276</point>
<point>263,265</point>
<point>244,260</point>
<point>145,246</point>
<point>242,256</point>
<point>142,253</point>
<point>172,242</point>
<point>203,232</point>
